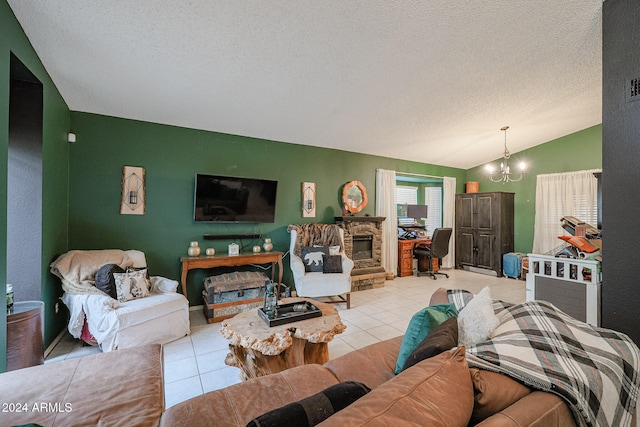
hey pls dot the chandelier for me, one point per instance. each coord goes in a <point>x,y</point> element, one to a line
<point>504,173</point>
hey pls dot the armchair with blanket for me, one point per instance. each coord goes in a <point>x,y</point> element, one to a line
<point>148,312</point>
<point>319,265</point>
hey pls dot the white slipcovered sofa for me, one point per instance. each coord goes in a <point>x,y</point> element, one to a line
<point>160,317</point>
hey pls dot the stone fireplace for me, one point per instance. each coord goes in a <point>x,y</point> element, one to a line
<point>363,244</point>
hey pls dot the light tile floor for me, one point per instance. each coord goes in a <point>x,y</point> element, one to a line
<point>194,365</point>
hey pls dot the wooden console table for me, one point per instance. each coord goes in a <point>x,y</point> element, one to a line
<point>190,263</point>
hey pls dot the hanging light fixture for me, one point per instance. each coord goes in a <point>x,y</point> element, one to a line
<point>504,174</point>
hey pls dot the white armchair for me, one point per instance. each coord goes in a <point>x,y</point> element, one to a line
<point>319,284</point>
<point>160,317</point>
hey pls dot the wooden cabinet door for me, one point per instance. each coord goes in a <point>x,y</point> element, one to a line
<point>465,209</point>
<point>465,248</point>
<point>486,250</point>
<point>486,210</point>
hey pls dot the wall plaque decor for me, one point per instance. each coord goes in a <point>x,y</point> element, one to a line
<point>308,199</point>
<point>133,191</point>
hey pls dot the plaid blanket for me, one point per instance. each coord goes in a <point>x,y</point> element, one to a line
<point>595,370</point>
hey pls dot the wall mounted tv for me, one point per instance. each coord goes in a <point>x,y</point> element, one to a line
<point>233,199</point>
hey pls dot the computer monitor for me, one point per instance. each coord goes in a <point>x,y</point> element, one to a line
<point>417,211</point>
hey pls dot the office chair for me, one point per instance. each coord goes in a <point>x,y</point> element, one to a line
<point>439,248</point>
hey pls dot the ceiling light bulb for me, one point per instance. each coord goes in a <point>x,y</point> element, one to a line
<point>489,168</point>
<point>523,166</point>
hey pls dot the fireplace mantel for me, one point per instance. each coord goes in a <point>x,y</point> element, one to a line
<point>375,219</point>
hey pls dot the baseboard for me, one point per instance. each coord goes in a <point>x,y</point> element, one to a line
<point>55,342</point>
<point>481,271</point>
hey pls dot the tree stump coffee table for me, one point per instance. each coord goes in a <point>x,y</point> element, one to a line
<point>258,349</point>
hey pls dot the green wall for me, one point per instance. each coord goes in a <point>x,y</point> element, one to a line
<point>55,173</point>
<point>578,151</point>
<point>171,157</point>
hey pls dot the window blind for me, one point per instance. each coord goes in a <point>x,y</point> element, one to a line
<point>433,196</point>
<point>405,195</point>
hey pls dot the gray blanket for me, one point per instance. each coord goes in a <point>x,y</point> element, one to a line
<point>594,369</point>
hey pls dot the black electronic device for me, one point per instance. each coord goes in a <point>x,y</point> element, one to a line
<point>417,211</point>
<point>233,199</point>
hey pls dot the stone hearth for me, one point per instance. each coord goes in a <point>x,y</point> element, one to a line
<point>363,244</point>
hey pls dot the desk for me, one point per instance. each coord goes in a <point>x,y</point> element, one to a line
<point>193,262</point>
<point>258,349</point>
<point>405,255</point>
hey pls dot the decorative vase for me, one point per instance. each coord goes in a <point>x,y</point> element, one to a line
<point>268,246</point>
<point>256,249</point>
<point>210,252</point>
<point>194,249</point>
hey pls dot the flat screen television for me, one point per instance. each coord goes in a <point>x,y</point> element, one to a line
<point>233,199</point>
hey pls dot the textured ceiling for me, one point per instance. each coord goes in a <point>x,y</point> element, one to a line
<point>423,80</point>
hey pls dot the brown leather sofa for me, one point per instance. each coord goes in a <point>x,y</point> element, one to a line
<point>440,391</point>
<point>118,388</point>
<point>125,388</point>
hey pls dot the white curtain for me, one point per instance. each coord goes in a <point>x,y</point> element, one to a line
<point>386,207</point>
<point>558,195</point>
<point>449,217</point>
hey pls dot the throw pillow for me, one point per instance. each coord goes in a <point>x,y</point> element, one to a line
<point>443,337</point>
<point>459,297</point>
<point>332,264</point>
<point>493,393</point>
<point>314,409</point>
<point>105,281</point>
<point>131,285</point>
<point>419,327</point>
<point>131,268</point>
<point>313,258</point>
<point>477,319</point>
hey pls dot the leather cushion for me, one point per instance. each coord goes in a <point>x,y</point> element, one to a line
<point>435,392</point>
<point>105,281</point>
<point>439,297</point>
<point>443,337</point>
<point>314,409</point>
<point>493,393</point>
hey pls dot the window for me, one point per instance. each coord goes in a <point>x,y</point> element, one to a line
<point>405,195</point>
<point>558,195</point>
<point>433,197</point>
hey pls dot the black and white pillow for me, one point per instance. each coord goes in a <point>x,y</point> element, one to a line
<point>132,284</point>
<point>313,258</point>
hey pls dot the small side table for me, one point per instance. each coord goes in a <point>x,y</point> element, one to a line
<point>25,335</point>
<point>258,349</point>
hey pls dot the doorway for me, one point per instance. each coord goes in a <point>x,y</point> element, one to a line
<point>24,183</point>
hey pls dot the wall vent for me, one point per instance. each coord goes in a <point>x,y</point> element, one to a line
<point>633,89</point>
